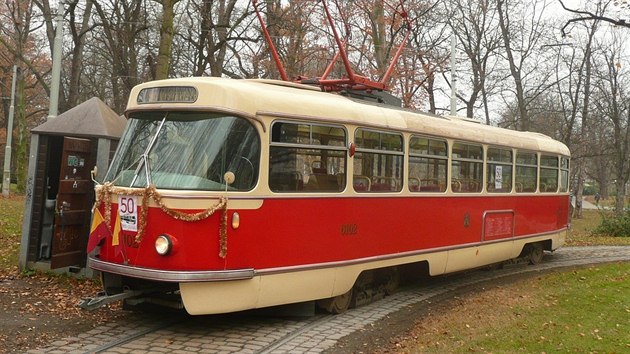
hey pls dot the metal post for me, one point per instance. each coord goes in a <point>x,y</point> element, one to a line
<point>56,65</point>
<point>6,176</point>
<point>453,77</point>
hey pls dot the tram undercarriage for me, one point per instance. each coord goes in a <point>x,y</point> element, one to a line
<point>370,285</point>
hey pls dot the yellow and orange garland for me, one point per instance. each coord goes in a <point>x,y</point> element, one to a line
<point>103,195</point>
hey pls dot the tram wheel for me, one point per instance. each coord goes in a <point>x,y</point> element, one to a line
<point>338,304</point>
<point>393,281</point>
<point>536,254</point>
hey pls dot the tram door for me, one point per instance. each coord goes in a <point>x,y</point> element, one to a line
<point>72,211</point>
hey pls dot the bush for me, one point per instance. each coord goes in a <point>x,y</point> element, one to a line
<point>590,190</point>
<point>614,225</point>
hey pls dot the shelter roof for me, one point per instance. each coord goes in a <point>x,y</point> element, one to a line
<point>92,118</point>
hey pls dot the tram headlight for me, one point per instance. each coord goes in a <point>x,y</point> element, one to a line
<point>163,245</point>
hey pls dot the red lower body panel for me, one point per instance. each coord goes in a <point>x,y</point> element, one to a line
<point>286,232</point>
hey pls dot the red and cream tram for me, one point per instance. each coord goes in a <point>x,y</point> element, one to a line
<point>229,195</point>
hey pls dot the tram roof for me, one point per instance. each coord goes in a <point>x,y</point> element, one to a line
<point>274,98</point>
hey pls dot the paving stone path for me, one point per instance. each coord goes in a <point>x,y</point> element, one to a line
<point>247,333</point>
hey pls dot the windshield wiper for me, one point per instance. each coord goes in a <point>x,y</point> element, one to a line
<point>144,158</point>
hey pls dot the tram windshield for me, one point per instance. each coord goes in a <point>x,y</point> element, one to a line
<point>186,150</point>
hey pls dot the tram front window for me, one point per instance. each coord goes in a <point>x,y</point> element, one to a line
<point>186,150</point>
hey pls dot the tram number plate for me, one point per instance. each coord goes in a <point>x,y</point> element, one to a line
<point>498,225</point>
<point>128,211</point>
<point>349,229</point>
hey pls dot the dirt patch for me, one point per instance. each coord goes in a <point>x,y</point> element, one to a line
<point>39,309</point>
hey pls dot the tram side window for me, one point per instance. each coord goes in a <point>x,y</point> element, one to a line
<point>467,168</point>
<point>526,172</point>
<point>427,164</point>
<point>548,173</point>
<point>499,170</point>
<point>378,161</point>
<point>564,174</point>
<point>306,157</point>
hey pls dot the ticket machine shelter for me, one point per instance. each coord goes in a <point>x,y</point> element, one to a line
<point>60,191</point>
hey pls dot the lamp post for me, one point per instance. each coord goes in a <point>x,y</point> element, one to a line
<point>453,76</point>
<point>6,175</point>
<point>56,65</point>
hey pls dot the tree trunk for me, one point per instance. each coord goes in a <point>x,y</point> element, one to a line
<point>620,197</point>
<point>579,193</point>
<point>166,40</point>
<point>21,153</point>
<point>77,55</point>
<point>378,35</point>
<point>585,111</point>
<point>524,123</point>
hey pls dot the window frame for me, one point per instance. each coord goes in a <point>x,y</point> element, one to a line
<point>566,171</point>
<point>548,168</point>
<point>369,180</point>
<point>525,165</point>
<point>428,156</point>
<point>310,146</point>
<point>469,160</point>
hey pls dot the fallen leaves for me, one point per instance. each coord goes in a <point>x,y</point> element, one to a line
<point>40,308</point>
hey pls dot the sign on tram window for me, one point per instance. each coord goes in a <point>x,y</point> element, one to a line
<point>168,94</point>
<point>499,170</point>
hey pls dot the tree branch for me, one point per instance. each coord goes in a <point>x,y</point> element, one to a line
<point>589,16</point>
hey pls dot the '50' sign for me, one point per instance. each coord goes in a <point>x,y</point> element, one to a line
<point>128,211</point>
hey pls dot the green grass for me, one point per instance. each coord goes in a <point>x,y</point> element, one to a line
<point>11,211</point>
<point>588,311</point>
<point>581,233</point>
<point>582,311</point>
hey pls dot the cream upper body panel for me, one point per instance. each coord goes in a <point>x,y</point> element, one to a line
<point>252,98</point>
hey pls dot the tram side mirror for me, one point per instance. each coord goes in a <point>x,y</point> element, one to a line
<point>229,177</point>
<point>93,173</point>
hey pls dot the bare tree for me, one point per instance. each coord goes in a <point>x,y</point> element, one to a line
<point>17,38</point>
<point>612,90</point>
<point>573,84</point>
<point>601,152</point>
<point>78,20</point>
<point>122,25</point>
<point>523,32</point>
<point>300,36</point>
<point>425,58</point>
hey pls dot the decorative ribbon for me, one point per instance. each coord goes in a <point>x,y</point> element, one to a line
<point>103,195</point>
